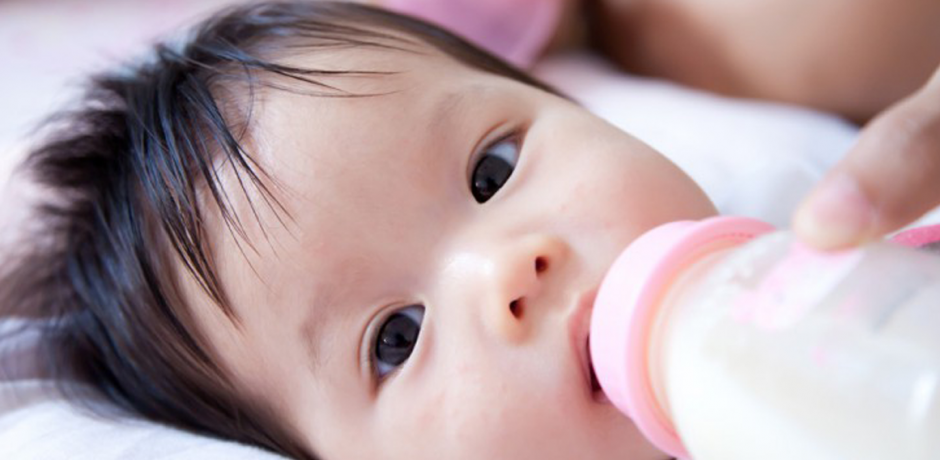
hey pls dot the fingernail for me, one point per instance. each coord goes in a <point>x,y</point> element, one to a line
<point>837,214</point>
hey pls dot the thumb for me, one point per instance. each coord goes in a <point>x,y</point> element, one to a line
<point>887,180</point>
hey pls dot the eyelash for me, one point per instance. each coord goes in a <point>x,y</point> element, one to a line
<point>483,189</point>
<point>414,312</point>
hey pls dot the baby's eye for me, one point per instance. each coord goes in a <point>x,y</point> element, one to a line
<point>493,168</point>
<point>395,339</point>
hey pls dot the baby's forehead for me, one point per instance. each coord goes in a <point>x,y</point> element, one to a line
<point>354,105</point>
<point>368,103</point>
<point>362,92</point>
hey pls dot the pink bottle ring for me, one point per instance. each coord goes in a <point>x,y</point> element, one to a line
<point>627,304</point>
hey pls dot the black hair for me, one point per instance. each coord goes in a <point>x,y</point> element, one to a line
<point>121,175</point>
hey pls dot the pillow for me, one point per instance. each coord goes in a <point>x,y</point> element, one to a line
<point>36,423</point>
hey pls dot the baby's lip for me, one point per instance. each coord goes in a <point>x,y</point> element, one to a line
<point>579,326</point>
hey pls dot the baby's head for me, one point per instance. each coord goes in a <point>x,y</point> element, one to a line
<point>339,233</point>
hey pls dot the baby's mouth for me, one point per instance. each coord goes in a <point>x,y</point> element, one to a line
<point>596,392</point>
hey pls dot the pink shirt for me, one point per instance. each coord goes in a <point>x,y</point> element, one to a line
<point>515,30</point>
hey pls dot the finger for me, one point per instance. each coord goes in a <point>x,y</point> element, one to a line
<point>889,178</point>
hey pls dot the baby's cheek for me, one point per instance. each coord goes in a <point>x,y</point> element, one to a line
<point>600,204</point>
<point>473,416</point>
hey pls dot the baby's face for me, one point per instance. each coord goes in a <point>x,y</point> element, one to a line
<point>429,295</point>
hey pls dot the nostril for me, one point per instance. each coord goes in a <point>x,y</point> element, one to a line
<point>541,264</point>
<point>515,307</point>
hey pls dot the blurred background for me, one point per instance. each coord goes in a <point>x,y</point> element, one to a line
<point>48,46</point>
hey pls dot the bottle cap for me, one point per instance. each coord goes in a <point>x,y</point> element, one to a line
<point>626,304</point>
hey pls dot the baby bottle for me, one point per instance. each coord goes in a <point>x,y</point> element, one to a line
<point>726,340</point>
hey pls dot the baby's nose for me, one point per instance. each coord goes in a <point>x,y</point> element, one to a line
<point>516,285</point>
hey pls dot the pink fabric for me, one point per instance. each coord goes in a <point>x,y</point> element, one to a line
<point>515,30</point>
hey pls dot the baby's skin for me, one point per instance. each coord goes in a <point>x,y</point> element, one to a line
<point>429,295</point>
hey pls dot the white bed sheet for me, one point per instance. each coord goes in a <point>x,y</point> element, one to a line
<point>38,426</point>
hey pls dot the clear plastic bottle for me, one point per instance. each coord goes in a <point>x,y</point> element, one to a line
<point>726,340</point>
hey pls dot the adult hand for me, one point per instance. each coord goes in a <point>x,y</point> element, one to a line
<point>887,180</point>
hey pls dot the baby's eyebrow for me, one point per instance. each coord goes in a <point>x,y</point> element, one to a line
<point>444,109</point>
<point>313,325</point>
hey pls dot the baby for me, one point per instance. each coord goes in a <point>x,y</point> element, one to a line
<point>335,232</point>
